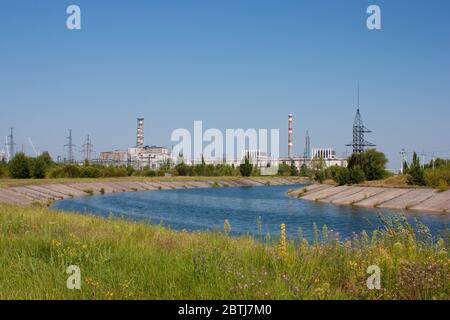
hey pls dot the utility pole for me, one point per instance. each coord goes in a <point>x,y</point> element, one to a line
<point>70,146</point>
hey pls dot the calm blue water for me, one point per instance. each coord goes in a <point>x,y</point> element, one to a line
<point>207,209</point>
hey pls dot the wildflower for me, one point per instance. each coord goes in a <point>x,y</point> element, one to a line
<point>282,244</point>
<point>56,243</point>
<point>94,284</point>
<point>109,295</point>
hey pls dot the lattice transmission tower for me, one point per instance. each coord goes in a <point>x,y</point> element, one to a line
<point>88,149</point>
<point>10,145</point>
<point>359,130</point>
<point>70,147</point>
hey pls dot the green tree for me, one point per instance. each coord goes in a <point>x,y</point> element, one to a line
<point>246,168</point>
<point>416,174</point>
<point>372,162</point>
<point>342,176</point>
<point>182,169</point>
<point>38,168</point>
<point>19,166</point>
<point>405,167</point>
<point>46,159</point>
<point>318,168</point>
<point>436,164</point>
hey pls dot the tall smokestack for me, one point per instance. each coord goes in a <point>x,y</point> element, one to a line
<point>140,132</point>
<point>290,141</point>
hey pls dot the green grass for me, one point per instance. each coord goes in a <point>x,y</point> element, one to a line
<point>127,260</point>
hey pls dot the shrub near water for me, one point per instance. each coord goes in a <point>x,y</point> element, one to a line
<point>127,260</point>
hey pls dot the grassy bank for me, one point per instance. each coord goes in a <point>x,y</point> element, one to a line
<point>126,260</point>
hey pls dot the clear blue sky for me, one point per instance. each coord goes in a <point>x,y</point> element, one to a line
<point>230,63</point>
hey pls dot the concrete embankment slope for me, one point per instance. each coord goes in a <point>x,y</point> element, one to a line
<point>45,193</point>
<point>426,200</point>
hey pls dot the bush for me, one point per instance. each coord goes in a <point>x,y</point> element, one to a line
<point>436,177</point>
<point>442,186</point>
<point>341,176</point>
<point>46,159</point>
<point>90,172</point>
<point>65,171</point>
<point>304,171</point>
<point>38,168</point>
<point>19,167</point>
<point>357,175</point>
<point>318,170</point>
<point>284,170</point>
<point>371,162</point>
<point>147,172</point>
<point>183,169</point>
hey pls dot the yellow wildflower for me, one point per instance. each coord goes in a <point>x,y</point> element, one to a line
<point>282,245</point>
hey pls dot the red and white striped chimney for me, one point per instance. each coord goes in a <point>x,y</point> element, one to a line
<point>290,140</point>
<point>140,133</point>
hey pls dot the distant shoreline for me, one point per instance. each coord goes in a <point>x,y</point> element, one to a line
<point>417,199</point>
<point>44,192</point>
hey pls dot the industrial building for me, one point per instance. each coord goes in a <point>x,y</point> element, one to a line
<point>154,157</point>
<point>264,160</point>
<point>328,155</point>
<point>140,156</point>
<point>113,157</point>
<point>149,157</point>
